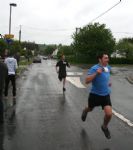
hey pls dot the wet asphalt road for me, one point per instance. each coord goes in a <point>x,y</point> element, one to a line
<point>122,91</point>
<point>47,119</point>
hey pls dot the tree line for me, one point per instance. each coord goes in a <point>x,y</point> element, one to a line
<point>88,42</point>
<point>27,49</point>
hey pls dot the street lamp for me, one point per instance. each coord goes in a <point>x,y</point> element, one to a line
<point>14,5</point>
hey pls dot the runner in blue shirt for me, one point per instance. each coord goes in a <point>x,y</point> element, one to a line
<point>99,75</point>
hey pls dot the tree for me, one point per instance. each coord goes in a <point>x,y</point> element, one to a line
<point>49,49</point>
<point>29,47</point>
<point>15,47</point>
<point>93,39</point>
<point>42,48</point>
<point>3,46</point>
<point>125,47</point>
<point>12,47</point>
<point>66,50</point>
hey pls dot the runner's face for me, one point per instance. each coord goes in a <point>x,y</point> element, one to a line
<point>105,59</point>
<point>63,57</point>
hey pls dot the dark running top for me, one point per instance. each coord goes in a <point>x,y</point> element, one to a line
<point>3,74</point>
<point>62,66</point>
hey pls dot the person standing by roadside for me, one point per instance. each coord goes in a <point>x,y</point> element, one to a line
<point>62,64</point>
<point>11,63</point>
<point>99,75</point>
<point>3,76</point>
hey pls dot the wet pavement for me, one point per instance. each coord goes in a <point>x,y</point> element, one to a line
<point>46,119</point>
<point>122,91</point>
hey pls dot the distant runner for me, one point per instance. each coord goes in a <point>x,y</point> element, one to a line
<point>62,63</point>
<point>99,75</point>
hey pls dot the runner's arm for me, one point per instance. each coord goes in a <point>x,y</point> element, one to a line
<point>90,78</point>
<point>68,65</point>
<point>110,80</point>
<point>56,67</point>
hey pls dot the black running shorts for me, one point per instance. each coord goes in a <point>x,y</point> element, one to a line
<point>97,100</point>
<point>62,76</point>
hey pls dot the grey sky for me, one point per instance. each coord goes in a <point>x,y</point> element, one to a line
<point>54,21</point>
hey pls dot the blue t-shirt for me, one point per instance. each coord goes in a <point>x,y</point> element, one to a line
<point>100,84</point>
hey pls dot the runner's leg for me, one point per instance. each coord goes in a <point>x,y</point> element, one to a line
<point>6,85</point>
<point>108,115</point>
<point>64,82</point>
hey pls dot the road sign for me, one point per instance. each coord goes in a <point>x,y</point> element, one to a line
<point>9,41</point>
<point>9,36</point>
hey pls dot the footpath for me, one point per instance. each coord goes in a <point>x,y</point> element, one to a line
<point>130,79</point>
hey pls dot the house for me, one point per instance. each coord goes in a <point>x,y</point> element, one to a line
<point>116,54</point>
<point>54,54</point>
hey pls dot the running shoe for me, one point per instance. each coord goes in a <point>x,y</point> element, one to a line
<point>106,132</point>
<point>84,115</point>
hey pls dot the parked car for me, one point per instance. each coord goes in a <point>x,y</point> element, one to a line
<point>37,59</point>
<point>45,57</point>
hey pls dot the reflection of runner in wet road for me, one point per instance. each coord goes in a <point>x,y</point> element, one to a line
<point>99,75</point>
<point>62,63</point>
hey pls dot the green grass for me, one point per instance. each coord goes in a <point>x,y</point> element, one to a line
<point>23,65</point>
<point>25,62</point>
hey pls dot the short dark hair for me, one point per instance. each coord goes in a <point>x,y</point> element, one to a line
<point>100,56</point>
<point>11,54</point>
<point>61,55</point>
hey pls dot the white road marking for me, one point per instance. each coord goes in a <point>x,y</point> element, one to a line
<point>76,81</point>
<point>128,122</point>
<point>74,73</point>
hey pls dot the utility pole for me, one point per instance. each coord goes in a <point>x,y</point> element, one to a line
<point>20,35</point>
<point>76,53</point>
<point>77,31</point>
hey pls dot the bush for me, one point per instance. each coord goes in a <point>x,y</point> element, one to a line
<point>81,59</point>
<point>121,61</point>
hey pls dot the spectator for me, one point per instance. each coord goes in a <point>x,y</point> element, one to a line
<point>11,63</point>
<point>3,76</point>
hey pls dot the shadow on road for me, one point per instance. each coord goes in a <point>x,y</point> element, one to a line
<point>1,137</point>
<point>62,99</point>
<point>85,141</point>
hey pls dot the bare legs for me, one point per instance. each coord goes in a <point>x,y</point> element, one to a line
<point>64,82</point>
<point>108,115</point>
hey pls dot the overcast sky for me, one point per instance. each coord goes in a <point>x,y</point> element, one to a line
<point>54,21</point>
